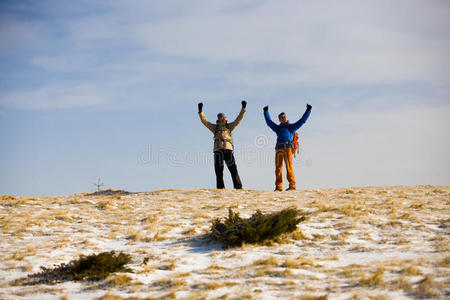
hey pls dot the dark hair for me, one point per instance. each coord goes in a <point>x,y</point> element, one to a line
<point>281,114</point>
<point>219,115</point>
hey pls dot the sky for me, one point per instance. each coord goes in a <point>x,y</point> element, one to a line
<point>109,90</point>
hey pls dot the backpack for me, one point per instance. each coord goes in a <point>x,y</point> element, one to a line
<point>294,143</point>
<point>295,148</point>
<point>227,127</point>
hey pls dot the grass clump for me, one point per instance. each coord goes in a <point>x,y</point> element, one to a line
<point>8,197</point>
<point>92,267</point>
<point>234,230</point>
<point>375,280</point>
<point>313,297</point>
<point>119,280</point>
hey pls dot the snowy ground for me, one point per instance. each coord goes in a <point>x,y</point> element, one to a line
<point>357,243</point>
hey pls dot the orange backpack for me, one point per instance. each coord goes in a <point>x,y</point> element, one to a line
<point>295,144</point>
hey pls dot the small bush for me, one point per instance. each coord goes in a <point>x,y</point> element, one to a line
<point>109,192</point>
<point>92,267</point>
<point>234,231</point>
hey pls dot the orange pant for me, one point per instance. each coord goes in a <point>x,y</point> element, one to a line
<point>286,155</point>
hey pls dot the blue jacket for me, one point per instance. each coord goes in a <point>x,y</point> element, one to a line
<point>284,130</point>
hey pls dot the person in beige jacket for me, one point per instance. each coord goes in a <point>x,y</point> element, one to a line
<point>223,145</point>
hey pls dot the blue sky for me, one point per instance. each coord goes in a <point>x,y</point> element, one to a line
<point>109,89</point>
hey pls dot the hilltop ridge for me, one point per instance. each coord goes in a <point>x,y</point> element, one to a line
<point>365,242</point>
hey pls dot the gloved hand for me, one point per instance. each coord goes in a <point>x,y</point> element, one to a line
<point>308,107</point>
<point>266,108</point>
<point>200,106</point>
<point>244,104</point>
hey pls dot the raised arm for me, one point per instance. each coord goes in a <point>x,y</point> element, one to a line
<point>205,122</point>
<point>269,122</point>
<point>239,118</point>
<point>303,119</point>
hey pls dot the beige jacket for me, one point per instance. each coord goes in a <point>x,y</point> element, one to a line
<point>222,137</point>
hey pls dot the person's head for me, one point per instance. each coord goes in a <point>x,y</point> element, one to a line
<point>282,117</point>
<point>221,117</point>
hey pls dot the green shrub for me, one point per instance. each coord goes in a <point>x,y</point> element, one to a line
<point>234,230</point>
<point>92,267</point>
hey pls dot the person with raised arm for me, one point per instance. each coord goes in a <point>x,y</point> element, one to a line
<point>284,148</point>
<point>223,145</point>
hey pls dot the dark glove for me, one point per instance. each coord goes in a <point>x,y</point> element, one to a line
<point>244,104</point>
<point>266,108</point>
<point>200,106</point>
<point>308,107</point>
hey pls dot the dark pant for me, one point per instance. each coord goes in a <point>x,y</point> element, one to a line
<point>221,156</point>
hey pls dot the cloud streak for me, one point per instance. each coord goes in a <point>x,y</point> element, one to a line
<point>324,43</point>
<point>55,97</point>
<point>244,45</point>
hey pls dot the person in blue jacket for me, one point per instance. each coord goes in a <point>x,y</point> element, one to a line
<point>283,149</point>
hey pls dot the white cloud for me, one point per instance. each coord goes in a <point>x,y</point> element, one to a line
<point>54,97</point>
<point>328,42</point>
<point>243,45</point>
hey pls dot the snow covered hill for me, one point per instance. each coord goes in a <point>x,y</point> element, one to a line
<point>356,243</point>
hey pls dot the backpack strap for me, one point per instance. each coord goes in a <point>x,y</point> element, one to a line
<point>227,126</point>
<point>288,127</point>
<point>292,136</point>
<point>290,131</point>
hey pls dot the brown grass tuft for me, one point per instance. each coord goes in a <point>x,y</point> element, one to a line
<point>170,265</point>
<point>375,280</point>
<point>290,263</point>
<point>8,197</point>
<point>298,235</point>
<point>411,271</point>
<point>445,262</point>
<point>109,296</point>
<point>169,283</point>
<point>313,297</point>
<point>118,280</point>
<point>403,284</point>
<point>427,288</point>
<point>271,261</point>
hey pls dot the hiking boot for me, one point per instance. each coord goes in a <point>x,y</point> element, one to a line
<point>290,189</point>
<point>277,190</point>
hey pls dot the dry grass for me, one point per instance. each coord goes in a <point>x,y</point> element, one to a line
<point>411,271</point>
<point>428,288</point>
<point>344,226</point>
<point>189,232</point>
<point>135,236</point>
<point>445,262</point>
<point>402,283</point>
<point>8,198</point>
<point>118,280</point>
<point>168,265</point>
<point>376,279</point>
<point>216,267</point>
<point>214,285</point>
<point>270,261</point>
<point>290,263</point>
<point>313,297</point>
<point>110,296</point>
<point>298,235</point>
<point>169,283</point>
